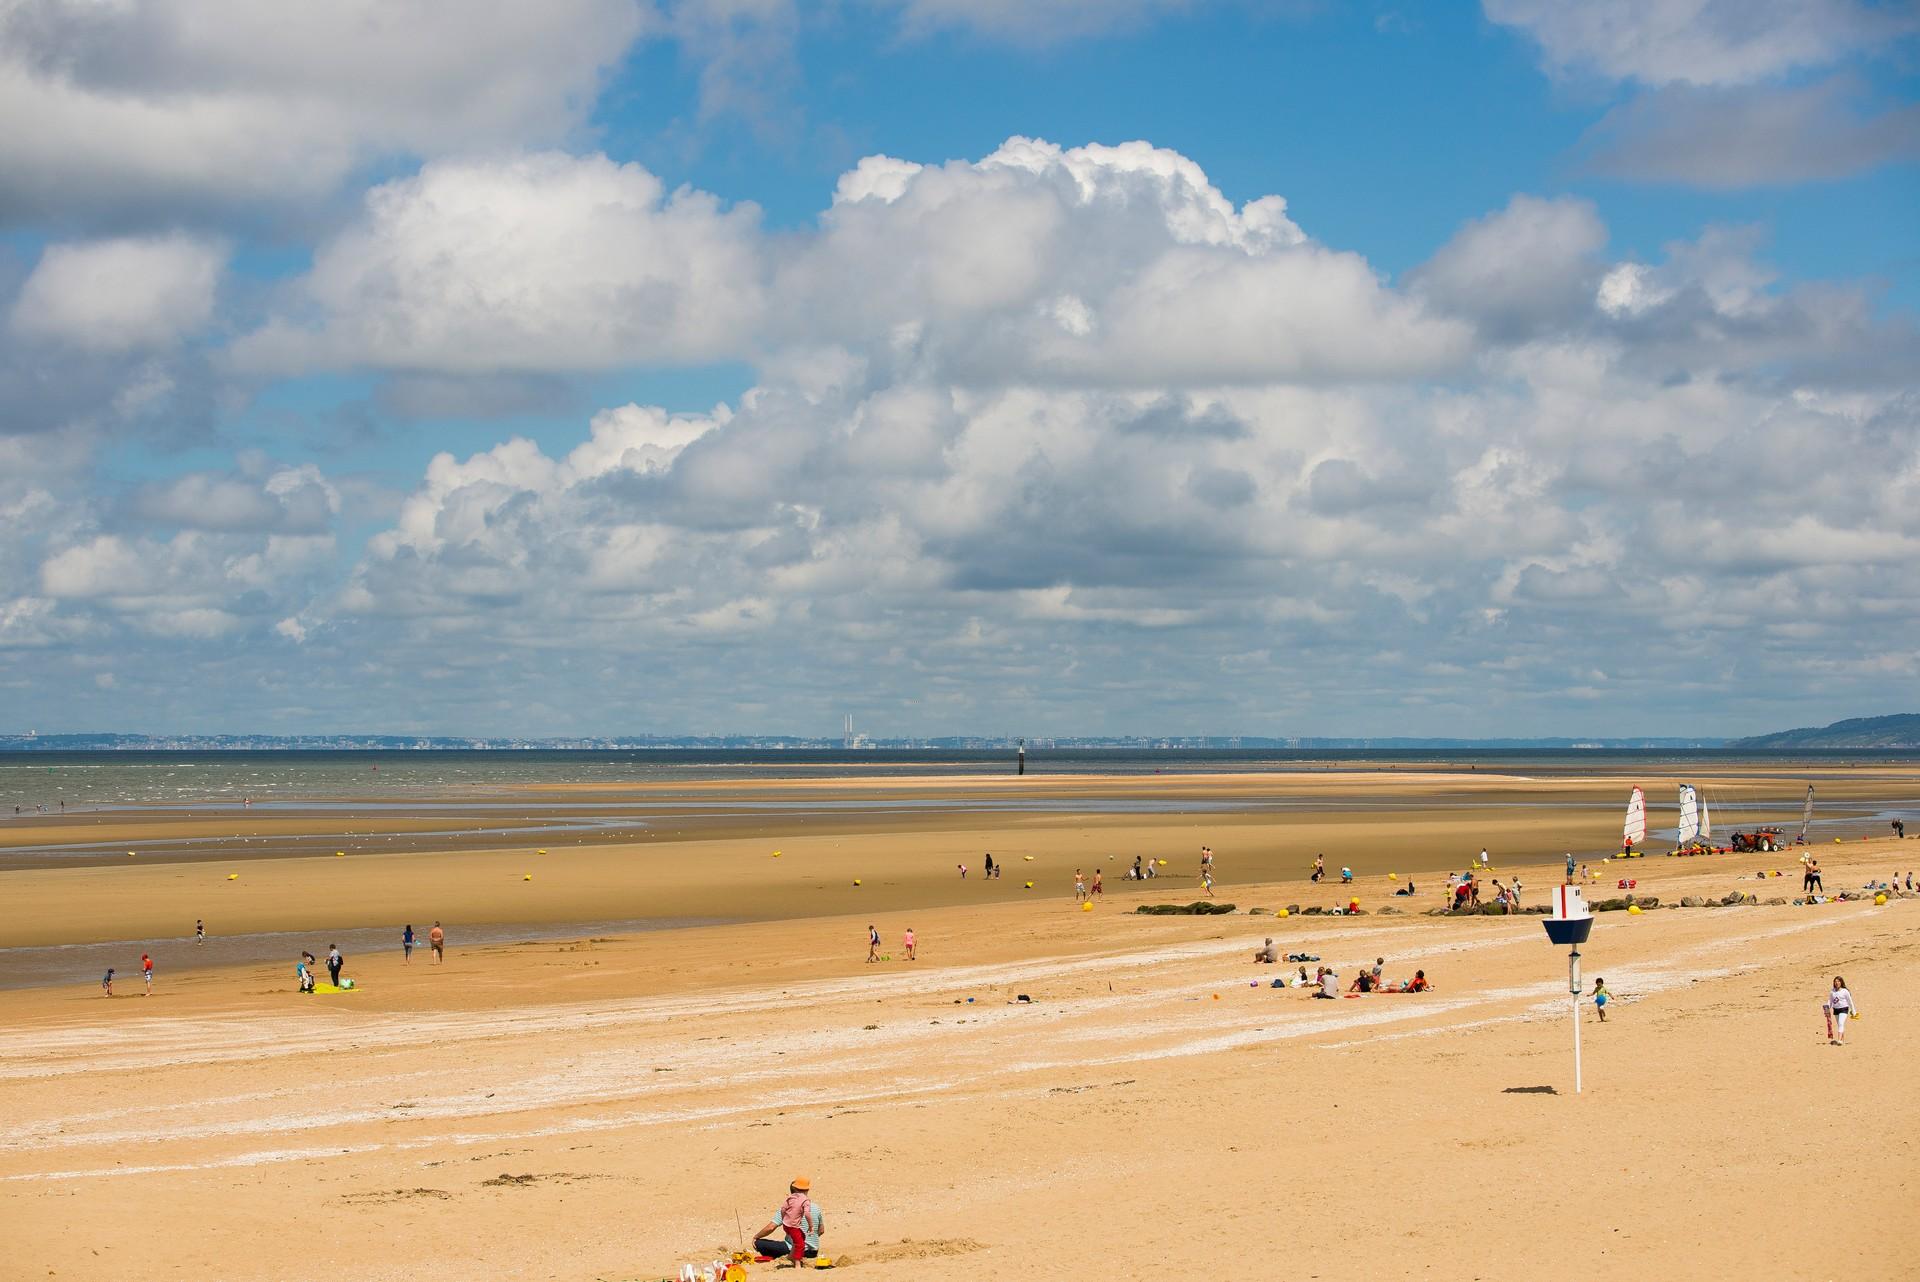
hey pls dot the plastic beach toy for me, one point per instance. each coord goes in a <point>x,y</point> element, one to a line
<point>233,876</point>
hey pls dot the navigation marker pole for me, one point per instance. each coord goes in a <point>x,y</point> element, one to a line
<point>1570,923</point>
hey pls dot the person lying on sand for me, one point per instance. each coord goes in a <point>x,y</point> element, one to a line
<point>793,1234</point>
<point>1266,954</point>
<point>1418,984</point>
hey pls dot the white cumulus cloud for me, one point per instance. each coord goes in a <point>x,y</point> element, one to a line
<point>117,295</point>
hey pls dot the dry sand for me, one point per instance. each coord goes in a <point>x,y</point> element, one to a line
<point>1147,1115</point>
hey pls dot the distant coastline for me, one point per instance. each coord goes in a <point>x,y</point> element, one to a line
<point>782,743</point>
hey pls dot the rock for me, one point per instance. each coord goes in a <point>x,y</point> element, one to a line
<point>1389,911</point>
<point>1439,912</point>
<point>1776,903</point>
<point>1293,910</point>
<point>1689,901</point>
<point>1314,911</point>
<point>1259,912</point>
<point>1734,897</point>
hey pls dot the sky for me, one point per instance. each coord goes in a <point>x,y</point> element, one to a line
<point>1266,367</point>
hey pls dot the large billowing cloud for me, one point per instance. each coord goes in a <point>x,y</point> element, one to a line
<point>1096,264</point>
<point>196,103</point>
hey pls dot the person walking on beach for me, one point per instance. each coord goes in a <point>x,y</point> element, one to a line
<point>406,944</point>
<point>1096,881</point>
<point>1079,885</point>
<point>437,940</point>
<point>106,982</point>
<point>1319,868</point>
<point>1813,877</point>
<point>146,972</point>
<point>1513,894</point>
<point>1600,998</point>
<point>907,940</point>
<point>199,931</point>
<point>988,874</point>
<point>334,962</point>
<point>1206,882</point>
<point>873,942</point>
<point>1839,1005</point>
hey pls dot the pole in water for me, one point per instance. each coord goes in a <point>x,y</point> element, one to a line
<point>1021,759</point>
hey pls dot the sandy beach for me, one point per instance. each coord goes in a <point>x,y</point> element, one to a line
<point>610,1105</point>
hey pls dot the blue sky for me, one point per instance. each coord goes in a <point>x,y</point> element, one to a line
<point>1384,367</point>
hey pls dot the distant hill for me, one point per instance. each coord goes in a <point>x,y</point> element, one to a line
<point>1899,731</point>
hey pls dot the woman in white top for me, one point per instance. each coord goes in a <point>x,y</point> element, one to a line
<point>1839,1005</point>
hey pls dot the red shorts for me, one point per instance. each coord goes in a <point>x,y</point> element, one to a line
<point>799,1239</point>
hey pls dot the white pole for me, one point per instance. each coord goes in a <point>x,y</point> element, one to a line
<point>1573,986</point>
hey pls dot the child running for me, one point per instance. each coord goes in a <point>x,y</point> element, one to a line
<point>1600,998</point>
<point>146,972</point>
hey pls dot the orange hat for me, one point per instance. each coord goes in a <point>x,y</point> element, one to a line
<point>803,1184</point>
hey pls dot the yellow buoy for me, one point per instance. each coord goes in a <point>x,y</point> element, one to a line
<point>856,881</point>
<point>1634,909</point>
<point>1028,858</point>
<point>1877,899</point>
<point>776,854</point>
<point>1087,908</point>
<point>1161,862</point>
<point>339,854</point>
<point>1281,913</point>
<point>1029,885</point>
<point>233,876</point>
<point>1393,876</point>
<point>539,852</point>
<point>528,877</point>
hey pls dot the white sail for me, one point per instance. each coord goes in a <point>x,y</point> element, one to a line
<point>1636,817</point>
<point>1689,814</point>
<point>1806,813</point>
<point>1706,820</point>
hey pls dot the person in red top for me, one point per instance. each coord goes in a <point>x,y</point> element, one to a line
<point>146,972</point>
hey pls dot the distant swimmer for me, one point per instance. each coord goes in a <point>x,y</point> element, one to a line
<point>437,940</point>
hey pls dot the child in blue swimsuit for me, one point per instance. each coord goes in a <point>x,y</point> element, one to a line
<point>1600,996</point>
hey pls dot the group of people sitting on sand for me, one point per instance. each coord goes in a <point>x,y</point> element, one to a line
<point>1326,981</point>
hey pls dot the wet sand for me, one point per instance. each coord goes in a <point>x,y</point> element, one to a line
<point>1146,1113</point>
